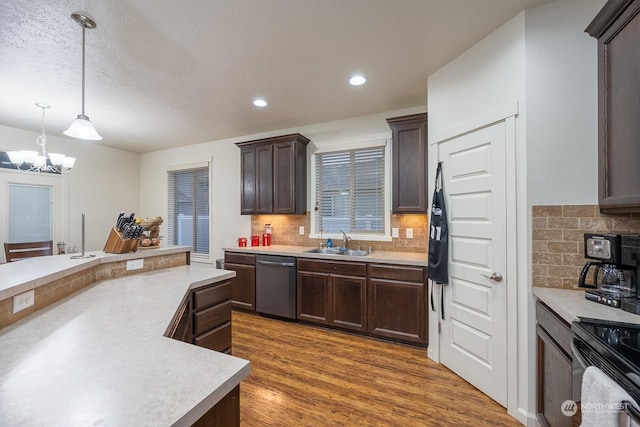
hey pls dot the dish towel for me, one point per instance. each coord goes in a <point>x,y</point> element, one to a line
<point>602,401</point>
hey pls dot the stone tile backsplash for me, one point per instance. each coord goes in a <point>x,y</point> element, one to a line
<point>558,238</point>
<point>286,232</point>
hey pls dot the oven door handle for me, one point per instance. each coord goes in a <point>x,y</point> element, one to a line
<point>578,355</point>
<point>631,410</point>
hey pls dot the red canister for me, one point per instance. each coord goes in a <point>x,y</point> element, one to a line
<point>242,242</point>
<point>266,239</point>
<point>255,240</point>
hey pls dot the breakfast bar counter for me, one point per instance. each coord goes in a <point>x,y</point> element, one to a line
<point>30,273</point>
<point>102,357</point>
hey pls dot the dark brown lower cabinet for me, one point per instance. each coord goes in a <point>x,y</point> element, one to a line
<point>313,297</point>
<point>204,318</point>
<point>243,286</point>
<point>332,293</point>
<point>381,300</point>
<point>348,302</point>
<point>225,413</point>
<point>397,303</point>
<point>555,369</point>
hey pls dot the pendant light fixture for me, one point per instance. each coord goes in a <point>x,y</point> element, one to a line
<point>32,161</point>
<point>82,127</point>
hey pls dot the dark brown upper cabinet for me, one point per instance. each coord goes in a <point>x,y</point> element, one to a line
<point>274,175</point>
<point>617,28</point>
<point>409,163</point>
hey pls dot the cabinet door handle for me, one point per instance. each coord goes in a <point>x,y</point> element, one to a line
<point>496,277</point>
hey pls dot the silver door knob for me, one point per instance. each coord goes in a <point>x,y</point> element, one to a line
<point>496,277</point>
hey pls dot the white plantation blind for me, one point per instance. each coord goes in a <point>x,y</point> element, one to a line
<point>30,212</point>
<point>350,191</point>
<point>188,222</point>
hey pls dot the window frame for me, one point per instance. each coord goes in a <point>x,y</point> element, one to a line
<point>337,146</point>
<point>59,184</point>
<point>196,257</point>
<point>49,227</point>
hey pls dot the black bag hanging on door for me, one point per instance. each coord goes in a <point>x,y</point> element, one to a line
<point>438,234</point>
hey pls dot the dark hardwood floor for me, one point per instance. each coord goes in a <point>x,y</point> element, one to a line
<point>307,376</point>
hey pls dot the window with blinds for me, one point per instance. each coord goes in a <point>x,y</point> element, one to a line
<point>350,191</point>
<point>188,213</point>
<point>30,213</point>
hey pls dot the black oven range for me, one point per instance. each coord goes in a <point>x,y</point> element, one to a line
<point>614,348</point>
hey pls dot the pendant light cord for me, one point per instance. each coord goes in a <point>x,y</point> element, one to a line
<point>84,28</point>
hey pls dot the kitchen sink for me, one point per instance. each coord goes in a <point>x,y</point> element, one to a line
<point>325,251</point>
<point>356,252</point>
<point>338,251</point>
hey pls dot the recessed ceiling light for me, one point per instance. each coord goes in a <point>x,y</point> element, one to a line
<point>357,80</point>
<point>260,102</point>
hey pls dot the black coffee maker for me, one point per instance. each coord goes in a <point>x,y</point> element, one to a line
<point>613,279</point>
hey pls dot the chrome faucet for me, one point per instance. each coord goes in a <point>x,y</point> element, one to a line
<point>345,239</point>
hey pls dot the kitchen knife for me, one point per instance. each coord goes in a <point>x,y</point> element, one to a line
<point>118,221</point>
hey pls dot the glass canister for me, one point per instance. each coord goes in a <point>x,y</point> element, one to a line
<point>266,239</point>
<point>255,240</point>
<point>242,242</point>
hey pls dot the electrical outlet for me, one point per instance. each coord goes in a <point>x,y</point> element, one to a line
<point>301,230</point>
<point>409,233</point>
<point>22,301</point>
<point>395,232</point>
<point>135,264</point>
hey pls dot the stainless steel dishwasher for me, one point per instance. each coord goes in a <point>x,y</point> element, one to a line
<point>276,285</point>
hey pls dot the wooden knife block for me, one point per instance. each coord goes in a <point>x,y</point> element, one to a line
<point>116,245</point>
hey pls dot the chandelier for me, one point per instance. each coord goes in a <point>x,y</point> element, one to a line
<point>33,161</point>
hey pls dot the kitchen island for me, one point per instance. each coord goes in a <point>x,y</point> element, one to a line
<point>102,356</point>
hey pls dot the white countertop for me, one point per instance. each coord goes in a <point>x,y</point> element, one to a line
<point>30,273</point>
<point>408,258</point>
<point>100,357</point>
<point>572,305</point>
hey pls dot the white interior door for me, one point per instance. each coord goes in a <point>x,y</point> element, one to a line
<point>473,341</point>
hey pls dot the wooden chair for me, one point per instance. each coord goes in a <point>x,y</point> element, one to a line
<point>18,251</point>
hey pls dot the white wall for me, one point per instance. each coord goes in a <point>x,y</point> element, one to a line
<point>103,182</point>
<point>226,222</point>
<point>544,61</point>
<point>484,85</point>
<point>486,77</point>
<point>562,122</point>
<point>562,103</point>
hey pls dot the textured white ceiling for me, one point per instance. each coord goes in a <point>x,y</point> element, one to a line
<point>166,73</point>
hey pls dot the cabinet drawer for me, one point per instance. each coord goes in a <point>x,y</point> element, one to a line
<point>319,266</point>
<point>557,328</point>
<point>239,258</point>
<point>209,318</point>
<point>211,295</point>
<point>218,339</point>
<point>397,272</point>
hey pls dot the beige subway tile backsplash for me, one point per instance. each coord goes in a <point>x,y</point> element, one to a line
<point>558,239</point>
